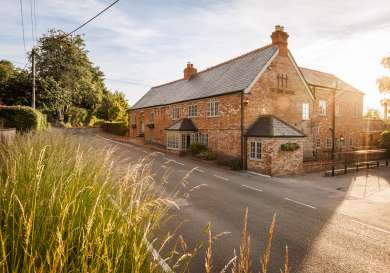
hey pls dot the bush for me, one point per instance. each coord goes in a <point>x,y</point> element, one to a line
<point>289,146</point>
<point>77,116</point>
<point>116,128</point>
<point>384,141</point>
<point>234,164</point>
<point>207,155</point>
<point>197,148</point>
<point>63,208</point>
<point>23,118</point>
<point>95,121</point>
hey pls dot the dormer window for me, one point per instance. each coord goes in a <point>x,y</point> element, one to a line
<point>282,80</point>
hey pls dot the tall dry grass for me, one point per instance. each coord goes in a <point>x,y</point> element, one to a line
<point>62,209</point>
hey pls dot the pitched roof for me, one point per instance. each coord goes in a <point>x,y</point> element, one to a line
<point>271,126</point>
<point>231,76</point>
<point>184,124</point>
<point>323,79</point>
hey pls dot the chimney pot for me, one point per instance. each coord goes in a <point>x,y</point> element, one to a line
<point>189,71</point>
<point>279,38</point>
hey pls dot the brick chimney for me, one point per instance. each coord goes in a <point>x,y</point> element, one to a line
<point>279,38</point>
<point>189,71</point>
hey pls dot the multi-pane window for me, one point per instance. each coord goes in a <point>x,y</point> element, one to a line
<point>212,108</point>
<point>323,107</point>
<point>173,141</point>
<point>200,138</point>
<point>328,143</point>
<point>151,118</point>
<point>318,143</point>
<point>255,150</point>
<point>305,111</point>
<point>176,112</point>
<point>282,80</point>
<point>132,119</point>
<point>193,110</point>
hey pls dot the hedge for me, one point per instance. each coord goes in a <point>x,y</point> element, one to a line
<point>23,118</point>
<point>117,128</point>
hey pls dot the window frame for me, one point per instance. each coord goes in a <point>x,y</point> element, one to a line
<point>322,107</point>
<point>305,111</point>
<point>192,110</point>
<point>329,143</point>
<point>175,112</point>
<point>151,117</point>
<point>213,109</point>
<point>255,150</point>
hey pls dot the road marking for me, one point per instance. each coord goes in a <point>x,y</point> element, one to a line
<point>300,203</point>
<point>177,162</point>
<point>251,188</point>
<point>373,227</point>
<point>221,177</point>
<point>258,174</point>
<point>198,170</point>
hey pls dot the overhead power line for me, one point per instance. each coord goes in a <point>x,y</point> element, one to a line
<point>21,14</point>
<point>97,15</point>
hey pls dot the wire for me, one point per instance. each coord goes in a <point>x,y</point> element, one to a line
<point>126,81</point>
<point>21,14</point>
<point>73,31</point>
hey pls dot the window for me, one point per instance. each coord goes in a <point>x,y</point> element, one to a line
<point>192,110</point>
<point>328,143</point>
<point>338,110</point>
<point>255,151</point>
<point>318,143</point>
<point>213,109</point>
<point>200,138</point>
<point>176,112</point>
<point>142,129</point>
<point>305,111</point>
<point>323,107</point>
<point>132,119</point>
<point>282,80</point>
<point>151,118</point>
<point>173,141</point>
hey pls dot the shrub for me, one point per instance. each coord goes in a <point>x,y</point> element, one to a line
<point>234,164</point>
<point>207,155</point>
<point>77,116</point>
<point>116,128</point>
<point>289,146</point>
<point>197,148</point>
<point>95,121</point>
<point>384,141</point>
<point>23,118</point>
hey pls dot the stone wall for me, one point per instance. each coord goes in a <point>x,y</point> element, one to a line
<point>224,131</point>
<point>274,161</point>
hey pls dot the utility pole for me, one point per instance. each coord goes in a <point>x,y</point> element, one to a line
<point>33,74</point>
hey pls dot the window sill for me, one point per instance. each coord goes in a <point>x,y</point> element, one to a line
<point>255,159</point>
<point>213,116</point>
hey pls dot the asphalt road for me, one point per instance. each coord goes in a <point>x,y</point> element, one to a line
<point>314,221</point>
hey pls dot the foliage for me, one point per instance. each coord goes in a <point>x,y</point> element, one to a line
<point>77,116</point>
<point>17,89</point>
<point>384,141</point>
<point>197,148</point>
<point>384,82</point>
<point>63,209</point>
<point>234,164</point>
<point>116,128</point>
<point>207,155</point>
<point>114,107</point>
<point>373,114</point>
<point>94,121</point>
<point>23,118</point>
<point>7,69</point>
<point>289,146</point>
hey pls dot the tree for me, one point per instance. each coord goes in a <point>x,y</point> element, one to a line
<point>373,114</point>
<point>16,90</point>
<point>7,69</point>
<point>64,60</point>
<point>384,141</point>
<point>384,82</point>
<point>114,106</point>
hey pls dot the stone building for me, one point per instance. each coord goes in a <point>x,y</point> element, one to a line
<point>260,108</point>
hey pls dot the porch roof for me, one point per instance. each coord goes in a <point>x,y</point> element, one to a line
<point>184,124</point>
<point>271,126</point>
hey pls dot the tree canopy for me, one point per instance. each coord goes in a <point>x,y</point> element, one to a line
<point>384,82</point>
<point>67,82</point>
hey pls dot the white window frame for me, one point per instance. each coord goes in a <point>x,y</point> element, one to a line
<point>173,141</point>
<point>323,104</point>
<point>212,108</point>
<point>255,150</point>
<point>329,143</point>
<point>133,119</point>
<point>192,110</point>
<point>151,117</point>
<point>175,112</point>
<point>305,111</point>
<point>318,143</point>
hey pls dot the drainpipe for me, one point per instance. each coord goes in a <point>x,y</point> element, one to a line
<point>334,123</point>
<point>243,138</point>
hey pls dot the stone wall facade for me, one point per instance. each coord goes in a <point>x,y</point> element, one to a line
<point>224,131</point>
<point>274,161</point>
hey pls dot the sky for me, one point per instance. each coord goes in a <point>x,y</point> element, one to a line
<point>139,44</point>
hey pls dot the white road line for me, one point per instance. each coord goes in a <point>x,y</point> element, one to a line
<point>251,188</point>
<point>177,162</point>
<point>258,174</point>
<point>166,158</point>
<point>221,177</point>
<point>372,227</point>
<point>300,203</point>
<point>198,170</point>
